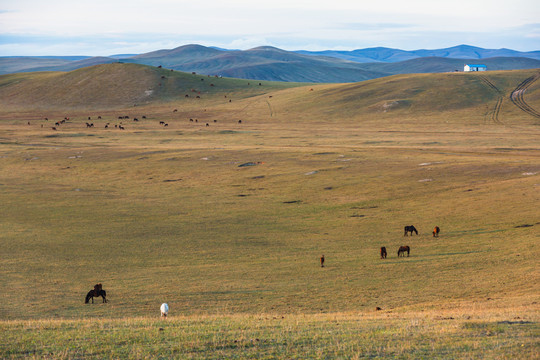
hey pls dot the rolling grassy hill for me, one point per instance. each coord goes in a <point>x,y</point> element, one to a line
<point>262,63</point>
<point>118,85</point>
<point>273,64</point>
<point>227,222</point>
<point>114,86</point>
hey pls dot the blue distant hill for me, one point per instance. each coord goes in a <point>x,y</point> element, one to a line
<point>270,63</point>
<point>388,55</point>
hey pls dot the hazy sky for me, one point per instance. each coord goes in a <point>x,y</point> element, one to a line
<point>99,27</point>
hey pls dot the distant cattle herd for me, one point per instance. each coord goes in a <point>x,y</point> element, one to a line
<point>120,125</point>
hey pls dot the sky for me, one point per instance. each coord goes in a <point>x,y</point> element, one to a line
<point>109,27</point>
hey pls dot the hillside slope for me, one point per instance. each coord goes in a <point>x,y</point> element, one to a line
<point>117,85</point>
<point>479,96</point>
<point>262,63</point>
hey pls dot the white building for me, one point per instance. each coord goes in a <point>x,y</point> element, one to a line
<point>473,67</point>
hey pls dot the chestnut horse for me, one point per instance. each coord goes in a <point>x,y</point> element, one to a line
<point>402,250</point>
<point>436,231</point>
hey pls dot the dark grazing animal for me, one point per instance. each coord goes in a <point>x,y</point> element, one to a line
<point>436,231</point>
<point>410,229</point>
<point>383,252</point>
<point>96,292</point>
<point>322,261</point>
<point>402,250</point>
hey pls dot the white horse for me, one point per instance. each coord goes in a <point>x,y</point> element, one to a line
<point>164,310</point>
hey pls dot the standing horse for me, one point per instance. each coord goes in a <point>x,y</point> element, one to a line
<point>410,229</point>
<point>96,292</point>
<point>402,250</point>
<point>322,261</point>
<point>383,252</point>
<point>436,231</point>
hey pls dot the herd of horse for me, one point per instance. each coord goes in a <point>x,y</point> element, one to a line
<point>405,248</point>
<point>401,251</point>
<point>98,291</point>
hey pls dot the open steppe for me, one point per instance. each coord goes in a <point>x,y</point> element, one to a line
<point>169,214</point>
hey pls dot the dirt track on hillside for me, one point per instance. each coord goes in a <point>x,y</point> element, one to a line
<point>517,96</point>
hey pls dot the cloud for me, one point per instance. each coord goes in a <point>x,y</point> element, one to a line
<point>374,26</point>
<point>103,27</point>
<point>530,31</point>
<point>249,43</point>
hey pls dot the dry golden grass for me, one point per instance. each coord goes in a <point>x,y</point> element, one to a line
<point>166,214</point>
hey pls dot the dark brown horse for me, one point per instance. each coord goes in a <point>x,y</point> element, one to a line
<point>436,231</point>
<point>96,292</point>
<point>383,252</point>
<point>402,250</point>
<point>410,229</point>
<point>322,261</point>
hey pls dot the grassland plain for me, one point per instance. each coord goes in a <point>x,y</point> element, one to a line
<point>167,214</point>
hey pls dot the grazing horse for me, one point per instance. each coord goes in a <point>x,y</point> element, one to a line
<point>383,252</point>
<point>436,231</point>
<point>164,308</point>
<point>402,250</point>
<point>322,261</point>
<point>410,229</point>
<point>96,292</point>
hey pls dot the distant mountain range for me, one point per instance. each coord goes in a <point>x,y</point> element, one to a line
<point>270,63</point>
<point>387,55</point>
